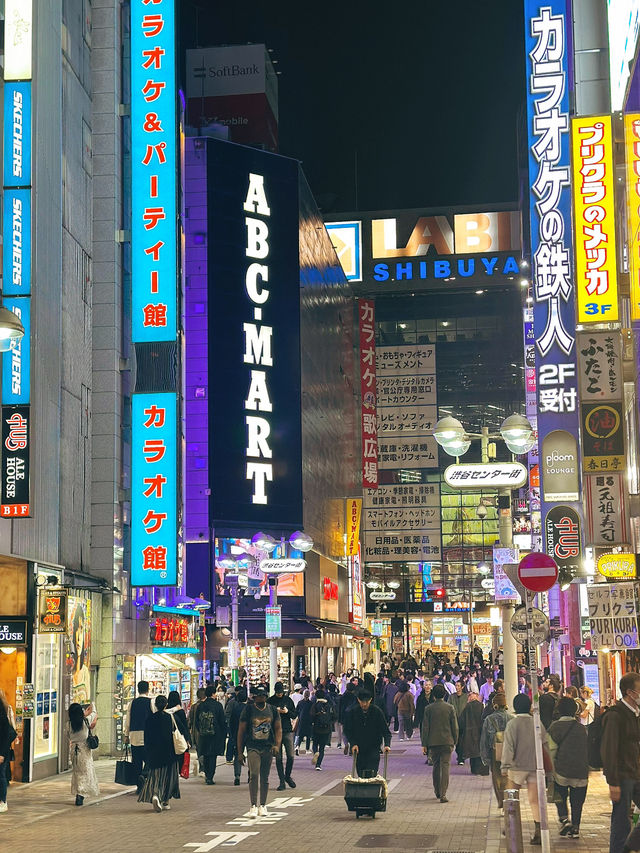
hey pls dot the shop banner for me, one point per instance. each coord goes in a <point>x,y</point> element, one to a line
<point>613,618</point>
<point>16,363</point>
<point>562,538</point>
<point>368,392</point>
<point>53,612</point>
<point>632,152</point>
<point>606,509</point>
<point>547,35</point>
<point>16,240</point>
<point>504,589</point>
<point>357,604</point>
<point>18,38</point>
<point>17,135</point>
<point>354,513</point>
<point>79,656</point>
<point>602,437</point>
<point>402,546</point>
<point>14,493</point>
<point>273,622</point>
<point>531,405</point>
<point>13,632</point>
<point>595,232</point>
<point>154,170</point>
<point>154,488</point>
<point>600,366</point>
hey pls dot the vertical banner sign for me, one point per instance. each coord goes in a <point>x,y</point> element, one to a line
<point>531,404</point>
<point>550,217</point>
<point>17,135</point>
<point>368,392</point>
<point>18,26</point>
<point>632,152</point>
<point>14,491</point>
<point>16,363</point>
<point>593,204</point>
<point>16,239</point>
<point>353,511</point>
<point>153,171</point>
<point>154,517</point>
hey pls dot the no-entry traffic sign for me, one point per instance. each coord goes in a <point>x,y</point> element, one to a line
<point>537,572</point>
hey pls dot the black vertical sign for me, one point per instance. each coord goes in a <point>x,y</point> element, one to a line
<point>14,499</point>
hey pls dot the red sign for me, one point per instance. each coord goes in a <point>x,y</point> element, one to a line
<point>368,393</point>
<point>537,572</point>
<point>329,590</point>
<point>171,630</point>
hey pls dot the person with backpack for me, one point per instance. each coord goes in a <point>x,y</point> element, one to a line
<point>322,717</point>
<point>287,710</point>
<point>549,699</point>
<point>620,748</point>
<point>260,732</point>
<point>568,749</point>
<point>211,731</point>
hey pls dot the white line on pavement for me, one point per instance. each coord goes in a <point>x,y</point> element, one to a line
<point>325,788</point>
<point>393,783</point>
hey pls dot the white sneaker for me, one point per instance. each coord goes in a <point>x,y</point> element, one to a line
<point>4,807</point>
<point>253,811</point>
<point>262,811</point>
<point>318,767</point>
<point>165,807</point>
<point>157,806</point>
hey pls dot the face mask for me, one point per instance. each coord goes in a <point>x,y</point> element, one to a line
<point>261,702</point>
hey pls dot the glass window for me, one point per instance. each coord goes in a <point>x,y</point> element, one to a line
<point>47,704</point>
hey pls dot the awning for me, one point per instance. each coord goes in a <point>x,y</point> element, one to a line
<point>341,628</point>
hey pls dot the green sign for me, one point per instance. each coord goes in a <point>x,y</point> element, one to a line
<point>273,622</point>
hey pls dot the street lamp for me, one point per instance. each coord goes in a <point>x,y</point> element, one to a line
<point>11,329</point>
<point>301,541</point>
<point>264,542</point>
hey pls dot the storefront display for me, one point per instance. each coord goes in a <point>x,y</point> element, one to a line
<point>47,680</point>
<point>255,659</point>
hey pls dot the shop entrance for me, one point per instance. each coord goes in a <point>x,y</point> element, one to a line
<point>13,663</point>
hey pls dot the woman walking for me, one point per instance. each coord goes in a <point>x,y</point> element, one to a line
<point>7,736</point>
<point>406,710</point>
<point>321,720</point>
<point>303,723</point>
<point>162,783</point>
<point>568,745</point>
<point>174,707</point>
<point>470,725</point>
<point>492,742</point>
<point>84,782</point>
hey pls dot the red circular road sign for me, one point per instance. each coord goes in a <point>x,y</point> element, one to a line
<point>537,572</point>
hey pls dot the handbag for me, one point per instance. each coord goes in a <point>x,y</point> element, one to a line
<point>93,741</point>
<point>126,773</point>
<point>184,768</point>
<point>498,743</point>
<point>180,744</point>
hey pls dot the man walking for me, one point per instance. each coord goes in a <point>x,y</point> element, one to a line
<point>366,730</point>
<point>260,731</point>
<point>287,710</point>
<point>620,750</point>
<point>136,717</point>
<point>439,736</point>
<point>549,699</point>
<point>211,729</point>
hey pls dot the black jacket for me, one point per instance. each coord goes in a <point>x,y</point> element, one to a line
<point>285,719</point>
<point>548,702</point>
<point>366,730</point>
<point>158,740</point>
<point>211,744</point>
<point>620,744</point>
<point>346,701</point>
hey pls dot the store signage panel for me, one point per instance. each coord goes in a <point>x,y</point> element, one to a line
<point>413,495</point>
<point>547,40</point>
<point>603,437</point>
<point>154,168</point>
<point>368,392</point>
<point>407,390</point>
<point>594,211</point>
<point>53,612</point>
<point>353,511</point>
<point>13,632</point>
<point>18,35</point>
<point>624,28</point>
<point>620,566</point>
<point>490,475</point>
<point>14,490</point>
<point>613,619</point>
<point>17,135</point>
<point>632,157</point>
<point>255,434</point>
<point>346,238</point>
<point>282,565</point>
<point>600,366</point>
<point>389,518</point>
<point>563,537</point>
<point>402,546</point>
<point>405,452</point>
<point>504,588</point>
<point>16,239</point>
<point>154,474</point>
<point>407,360</point>
<point>273,622</point>
<point>356,590</point>
<point>16,363</point>
<point>606,508</point>
<point>404,421</point>
<point>560,473</point>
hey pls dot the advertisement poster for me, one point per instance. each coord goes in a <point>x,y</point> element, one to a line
<point>79,656</point>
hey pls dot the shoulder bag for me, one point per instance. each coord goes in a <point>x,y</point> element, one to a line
<point>92,740</point>
<point>180,744</point>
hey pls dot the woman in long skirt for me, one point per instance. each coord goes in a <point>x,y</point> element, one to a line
<point>84,782</point>
<point>162,783</point>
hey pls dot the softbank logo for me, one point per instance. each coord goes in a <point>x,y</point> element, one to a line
<point>202,71</point>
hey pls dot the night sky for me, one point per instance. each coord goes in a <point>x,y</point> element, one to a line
<point>424,96</point>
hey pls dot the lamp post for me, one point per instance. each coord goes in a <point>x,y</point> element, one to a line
<point>518,434</point>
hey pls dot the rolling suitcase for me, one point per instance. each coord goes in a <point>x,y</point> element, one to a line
<point>366,796</point>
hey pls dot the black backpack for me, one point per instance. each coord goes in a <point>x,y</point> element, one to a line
<point>322,717</point>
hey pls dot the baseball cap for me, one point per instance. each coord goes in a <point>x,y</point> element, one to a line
<point>259,691</point>
<point>297,686</point>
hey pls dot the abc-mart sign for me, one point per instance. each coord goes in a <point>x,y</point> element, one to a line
<point>486,475</point>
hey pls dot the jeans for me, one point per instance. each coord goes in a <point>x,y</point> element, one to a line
<point>299,740</point>
<point>137,759</point>
<point>287,745</point>
<point>259,761</point>
<point>368,759</point>
<point>577,797</point>
<point>441,757</point>
<point>4,781</point>
<point>405,727</point>
<point>620,823</point>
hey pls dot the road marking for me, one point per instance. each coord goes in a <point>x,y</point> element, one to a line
<point>325,788</point>
<point>393,783</point>
<point>226,839</point>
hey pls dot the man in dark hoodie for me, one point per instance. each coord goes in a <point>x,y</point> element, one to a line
<point>284,704</point>
<point>366,729</point>
<point>211,727</point>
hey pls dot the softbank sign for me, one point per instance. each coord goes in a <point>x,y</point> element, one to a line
<point>255,456</point>
<point>257,342</point>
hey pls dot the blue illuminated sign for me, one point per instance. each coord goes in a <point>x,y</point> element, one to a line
<point>17,134</point>
<point>153,171</point>
<point>154,517</point>
<point>16,364</point>
<point>16,238</point>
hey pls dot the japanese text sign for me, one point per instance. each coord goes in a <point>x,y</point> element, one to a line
<point>273,622</point>
<point>600,365</point>
<point>613,616</point>
<point>632,153</point>
<point>606,508</point>
<point>595,234</point>
<point>153,171</point>
<point>368,392</point>
<point>154,519</point>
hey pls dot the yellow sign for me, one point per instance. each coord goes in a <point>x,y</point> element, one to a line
<point>354,511</point>
<point>632,154</point>
<point>617,565</point>
<point>595,235</point>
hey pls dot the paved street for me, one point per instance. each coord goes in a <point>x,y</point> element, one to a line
<point>42,816</point>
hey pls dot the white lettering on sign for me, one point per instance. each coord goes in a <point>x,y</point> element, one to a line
<point>16,247</point>
<point>16,361</point>
<point>16,150</point>
<point>7,636</point>
<point>257,342</point>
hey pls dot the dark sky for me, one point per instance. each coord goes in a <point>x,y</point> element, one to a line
<point>425,95</point>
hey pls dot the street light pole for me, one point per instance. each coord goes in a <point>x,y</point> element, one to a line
<point>509,648</point>
<point>273,643</point>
